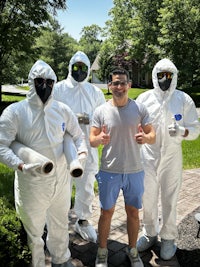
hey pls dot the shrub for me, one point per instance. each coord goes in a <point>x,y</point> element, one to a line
<point>14,251</point>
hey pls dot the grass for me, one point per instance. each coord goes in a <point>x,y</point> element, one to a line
<point>24,87</point>
<point>10,98</point>
<point>14,98</point>
<point>191,154</point>
<point>132,93</point>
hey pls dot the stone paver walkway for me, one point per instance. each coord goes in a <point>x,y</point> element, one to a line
<point>84,253</point>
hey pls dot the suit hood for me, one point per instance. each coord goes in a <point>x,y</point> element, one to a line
<point>168,66</point>
<point>79,57</point>
<point>39,70</point>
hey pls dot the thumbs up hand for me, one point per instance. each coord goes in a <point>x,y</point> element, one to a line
<point>175,129</point>
<point>140,135</point>
<point>104,128</point>
<point>104,137</point>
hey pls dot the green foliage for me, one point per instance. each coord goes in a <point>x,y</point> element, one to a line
<point>153,30</point>
<point>105,60</point>
<point>90,41</point>
<point>19,26</point>
<point>130,33</point>
<point>14,251</point>
<point>139,33</point>
<point>6,184</point>
<point>56,48</point>
<point>179,23</point>
<point>194,92</point>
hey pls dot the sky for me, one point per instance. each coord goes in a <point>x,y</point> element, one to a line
<point>81,13</point>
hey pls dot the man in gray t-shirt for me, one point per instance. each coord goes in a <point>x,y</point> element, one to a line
<point>121,126</point>
<point>121,155</point>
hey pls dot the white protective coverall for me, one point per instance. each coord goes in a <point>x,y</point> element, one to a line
<point>163,160</point>
<point>82,97</point>
<point>41,199</point>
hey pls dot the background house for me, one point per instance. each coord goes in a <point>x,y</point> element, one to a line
<point>93,70</point>
<point>138,77</point>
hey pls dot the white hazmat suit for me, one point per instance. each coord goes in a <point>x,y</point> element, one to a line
<point>163,160</point>
<point>83,98</point>
<point>41,199</point>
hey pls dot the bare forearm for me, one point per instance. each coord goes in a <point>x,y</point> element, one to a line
<point>149,134</point>
<point>95,141</point>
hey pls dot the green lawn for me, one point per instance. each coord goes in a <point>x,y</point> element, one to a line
<point>191,154</point>
<point>132,93</point>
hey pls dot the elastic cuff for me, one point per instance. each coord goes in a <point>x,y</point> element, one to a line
<point>182,130</point>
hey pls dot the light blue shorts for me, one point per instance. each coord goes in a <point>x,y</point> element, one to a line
<point>109,184</point>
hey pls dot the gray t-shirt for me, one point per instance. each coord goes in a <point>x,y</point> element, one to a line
<point>122,154</point>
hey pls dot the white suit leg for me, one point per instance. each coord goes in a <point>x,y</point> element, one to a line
<point>84,195</point>
<point>57,224</point>
<point>171,174</point>
<point>36,246</point>
<point>32,215</point>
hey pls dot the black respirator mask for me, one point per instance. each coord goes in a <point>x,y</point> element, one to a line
<point>79,72</point>
<point>43,88</point>
<point>164,80</point>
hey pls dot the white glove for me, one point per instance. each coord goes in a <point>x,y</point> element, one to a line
<point>176,130</point>
<point>31,168</point>
<point>82,159</point>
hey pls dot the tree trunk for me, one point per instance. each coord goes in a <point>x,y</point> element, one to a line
<point>0,94</point>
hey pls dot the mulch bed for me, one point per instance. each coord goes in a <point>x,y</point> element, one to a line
<point>188,245</point>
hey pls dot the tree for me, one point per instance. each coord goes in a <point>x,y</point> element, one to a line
<point>157,29</point>
<point>179,23</point>
<point>135,22</point>
<point>56,48</point>
<point>19,24</point>
<point>105,60</point>
<point>125,32</point>
<point>114,49</point>
<point>90,41</point>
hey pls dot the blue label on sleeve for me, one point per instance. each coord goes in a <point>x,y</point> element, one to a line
<point>178,117</point>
